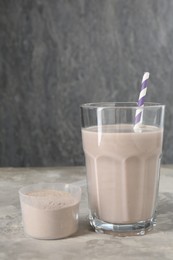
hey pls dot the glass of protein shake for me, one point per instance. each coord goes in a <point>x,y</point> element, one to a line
<point>122,164</point>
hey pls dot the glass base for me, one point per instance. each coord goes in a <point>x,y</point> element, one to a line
<point>135,229</point>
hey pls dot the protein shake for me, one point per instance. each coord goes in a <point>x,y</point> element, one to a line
<point>122,171</point>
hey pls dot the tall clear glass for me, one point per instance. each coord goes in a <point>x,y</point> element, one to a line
<point>123,165</point>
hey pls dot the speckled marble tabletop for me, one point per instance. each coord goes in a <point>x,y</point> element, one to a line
<point>85,244</point>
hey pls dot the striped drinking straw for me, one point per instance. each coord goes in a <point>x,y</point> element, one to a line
<point>138,115</point>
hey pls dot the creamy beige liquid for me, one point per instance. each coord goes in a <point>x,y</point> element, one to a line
<point>122,171</point>
<point>50,214</point>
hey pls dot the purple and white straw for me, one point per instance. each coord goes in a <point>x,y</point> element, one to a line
<point>138,116</point>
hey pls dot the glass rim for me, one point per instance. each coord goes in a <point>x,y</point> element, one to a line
<point>121,105</point>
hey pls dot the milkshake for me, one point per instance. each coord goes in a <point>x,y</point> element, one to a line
<point>122,171</point>
<point>122,143</point>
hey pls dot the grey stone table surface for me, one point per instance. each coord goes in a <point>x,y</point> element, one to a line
<point>85,244</point>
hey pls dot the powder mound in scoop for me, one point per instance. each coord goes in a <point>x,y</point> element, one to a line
<point>51,199</point>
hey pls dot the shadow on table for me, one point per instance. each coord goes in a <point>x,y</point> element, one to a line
<point>165,212</point>
<point>84,227</point>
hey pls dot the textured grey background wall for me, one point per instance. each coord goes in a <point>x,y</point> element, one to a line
<point>57,54</point>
